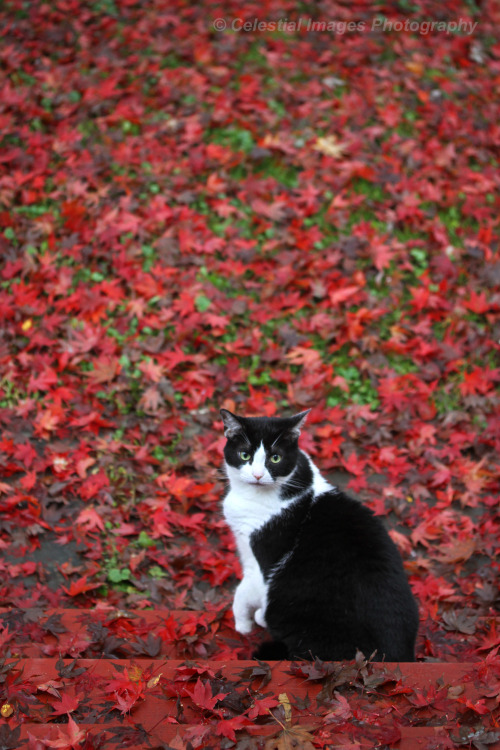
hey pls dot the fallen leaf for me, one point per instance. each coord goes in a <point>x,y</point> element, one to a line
<point>330,146</point>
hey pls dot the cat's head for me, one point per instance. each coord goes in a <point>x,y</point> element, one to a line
<point>261,451</point>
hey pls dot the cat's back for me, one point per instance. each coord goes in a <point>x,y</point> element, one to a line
<point>340,527</point>
<point>345,566</point>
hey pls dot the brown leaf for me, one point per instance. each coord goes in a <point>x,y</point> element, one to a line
<point>105,370</point>
<point>459,551</point>
<point>454,691</point>
<point>177,743</point>
<point>151,400</point>
<point>289,739</point>
<point>460,621</point>
<point>262,672</point>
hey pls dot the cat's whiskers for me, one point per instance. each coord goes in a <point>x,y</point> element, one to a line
<point>294,485</point>
<point>274,443</point>
<point>222,475</point>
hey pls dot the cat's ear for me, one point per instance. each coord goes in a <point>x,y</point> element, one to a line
<point>232,424</point>
<point>297,422</point>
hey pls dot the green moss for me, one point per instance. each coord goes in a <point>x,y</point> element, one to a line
<point>10,394</point>
<point>156,572</point>
<point>447,399</point>
<point>108,7</point>
<point>277,107</point>
<point>419,260</point>
<point>373,190</point>
<point>361,389</point>
<point>235,138</point>
<point>285,174</point>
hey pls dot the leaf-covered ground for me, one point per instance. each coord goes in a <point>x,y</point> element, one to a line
<point>266,221</point>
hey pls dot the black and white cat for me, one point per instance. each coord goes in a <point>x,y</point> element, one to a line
<point>320,571</point>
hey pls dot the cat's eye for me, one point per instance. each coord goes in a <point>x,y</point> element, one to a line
<point>276,458</point>
<point>245,456</point>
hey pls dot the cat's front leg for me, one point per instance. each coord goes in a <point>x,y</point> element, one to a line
<point>248,597</point>
<point>259,617</point>
<point>243,621</point>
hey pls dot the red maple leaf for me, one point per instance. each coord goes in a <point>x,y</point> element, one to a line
<point>72,737</point>
<point>337,296</point>
<point>275,211</point>
<point>202,695</point>
<point>479,380</point>
<point>66,705</point>
<point>80,586</point>
<point>262,706</point>
<point>90,519</point>
<point>229,727</point>
<point>152,370</point>
<point>43,381</point>
<point>478,303</point>
<point>341,709</point>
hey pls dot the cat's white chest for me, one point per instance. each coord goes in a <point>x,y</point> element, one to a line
<point>247,507</point>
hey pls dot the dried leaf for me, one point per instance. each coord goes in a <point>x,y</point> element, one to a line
<point>330,146</point>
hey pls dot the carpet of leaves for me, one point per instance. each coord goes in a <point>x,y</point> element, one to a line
<point>265,221</point>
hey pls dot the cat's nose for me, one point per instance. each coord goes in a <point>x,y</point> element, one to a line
<point>258,476</point>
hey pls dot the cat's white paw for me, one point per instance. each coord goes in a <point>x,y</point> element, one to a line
<point>243,625</point>
<point>259,618</point>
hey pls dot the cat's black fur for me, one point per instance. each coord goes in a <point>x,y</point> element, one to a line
<point>343,587</point>
<point>335,579</point>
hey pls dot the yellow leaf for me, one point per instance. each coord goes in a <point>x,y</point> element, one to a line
<point>154,681</point>
<point>287,707</point>
<point>135,673</point>
<point>6,710</point>
<point>415,66</point>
